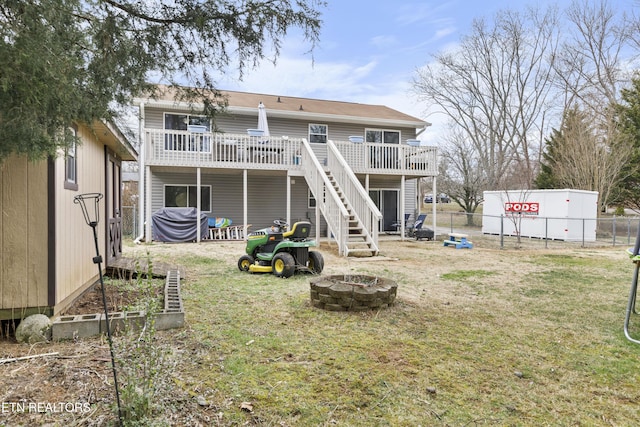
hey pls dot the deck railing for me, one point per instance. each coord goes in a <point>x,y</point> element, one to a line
<point>225,150</point>
<point>395,159</point>
<point>206,149</point>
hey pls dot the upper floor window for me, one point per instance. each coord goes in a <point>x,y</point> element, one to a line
<point>187,122</point>
<point>318,133</point>
<point>382,136</point>
<point>71,162</point>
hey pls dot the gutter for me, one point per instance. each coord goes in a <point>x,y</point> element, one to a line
<point>423,129</point>
<point>141,174</point>
<point>295,115</point>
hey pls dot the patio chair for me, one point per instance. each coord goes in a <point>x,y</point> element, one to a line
<point>420,232</point>
<point>397,224</point>
<point>417,224</point>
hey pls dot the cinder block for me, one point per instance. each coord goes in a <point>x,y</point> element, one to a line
<point>135,320</point>
<point>81,326</point>
<point>169,320</point>
<point>173,306</point>
<point>87,325</point>
<point>116,322</point>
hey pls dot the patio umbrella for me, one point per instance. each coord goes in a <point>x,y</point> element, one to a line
<point>262,120</point>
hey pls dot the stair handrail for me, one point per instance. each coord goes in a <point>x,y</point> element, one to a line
<point>364,208</point>
<point>327,199</point>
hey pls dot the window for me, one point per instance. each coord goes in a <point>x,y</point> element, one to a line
<point>318,133</point>
<point>191,123</point>
<point>71,162</point>
<point>186,196</point>
<point>382,136</point>
<point>384,155</point>
<point>311,199</point>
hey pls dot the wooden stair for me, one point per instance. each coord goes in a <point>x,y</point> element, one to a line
<point>359,241</point>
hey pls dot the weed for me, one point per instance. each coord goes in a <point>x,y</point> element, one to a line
<point>143,364</point>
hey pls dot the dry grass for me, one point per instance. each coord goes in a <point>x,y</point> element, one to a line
<point>477,337</point>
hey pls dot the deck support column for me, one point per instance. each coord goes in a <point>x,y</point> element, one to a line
<point>434,201</point>
<point>198,201</point>
<point>402,199</point>
<point>245,200</point>
<point>289,200</point>
<point>148,235</point>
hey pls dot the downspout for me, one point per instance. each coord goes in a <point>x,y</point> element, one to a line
<point>141,175</point>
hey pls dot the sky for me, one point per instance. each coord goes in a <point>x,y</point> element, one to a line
<point>369,52</point>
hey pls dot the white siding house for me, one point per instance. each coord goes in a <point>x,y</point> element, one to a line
<point>307,167</point>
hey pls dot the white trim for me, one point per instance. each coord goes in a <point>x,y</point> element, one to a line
<point>296,115</point>
<point>309,198</point>
<point>383,131</point>
<point>199,202</point>
<point>245,200</point>
<point>326,134</point>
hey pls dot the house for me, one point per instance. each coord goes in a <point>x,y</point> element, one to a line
<point>307,167</point>
<point>47,248</point>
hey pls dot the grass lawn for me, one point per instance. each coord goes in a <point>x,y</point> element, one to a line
<point>477,337</point>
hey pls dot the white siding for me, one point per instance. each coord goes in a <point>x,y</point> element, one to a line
<point>266,196</point>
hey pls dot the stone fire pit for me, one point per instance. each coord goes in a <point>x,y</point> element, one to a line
<point>352,292</point>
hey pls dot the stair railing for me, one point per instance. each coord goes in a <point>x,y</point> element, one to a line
<point>366,211</point>
<point>327,199</point>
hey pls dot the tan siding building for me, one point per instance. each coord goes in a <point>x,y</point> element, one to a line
<point>46,248</point>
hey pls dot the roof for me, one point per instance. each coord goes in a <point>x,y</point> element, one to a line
<point>291,107</point>
<point>110,135</point>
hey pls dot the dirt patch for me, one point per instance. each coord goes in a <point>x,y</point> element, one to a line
<point>118,298</point>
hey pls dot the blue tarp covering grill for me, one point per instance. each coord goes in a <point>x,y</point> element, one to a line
<point>178,225</point>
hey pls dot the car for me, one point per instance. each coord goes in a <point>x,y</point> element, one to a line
<point>442,198</point>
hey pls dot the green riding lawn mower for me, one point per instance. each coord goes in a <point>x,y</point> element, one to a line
<point>281,251</point>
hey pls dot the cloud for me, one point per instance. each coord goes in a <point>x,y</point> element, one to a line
<point>384,42</point>
<point>300,77</point>
<point>424,14</point>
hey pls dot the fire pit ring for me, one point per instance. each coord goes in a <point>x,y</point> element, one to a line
<point>352,292</point>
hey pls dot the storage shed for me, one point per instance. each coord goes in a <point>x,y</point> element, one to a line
<point>552,214</point>
<point>46,249</point>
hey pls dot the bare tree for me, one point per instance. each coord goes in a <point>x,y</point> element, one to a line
<point>591,71</point>
<point>495,88</point>
<point>589,158</point>
<point>462,176</point>
<point>590,65</point>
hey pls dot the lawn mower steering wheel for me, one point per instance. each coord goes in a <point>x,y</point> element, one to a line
<point>281,224</point>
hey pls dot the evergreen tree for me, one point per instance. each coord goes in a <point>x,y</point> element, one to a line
<point>629,119</point>
<point>546,179</point>
<point>586,154</point>
<point>75,60</point>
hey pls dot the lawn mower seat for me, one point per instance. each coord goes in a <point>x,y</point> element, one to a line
<point>299,231</point>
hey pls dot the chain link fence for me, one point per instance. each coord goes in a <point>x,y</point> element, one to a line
<point>605,231</point>
<point>129,221</point>
<point>582,232</point>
